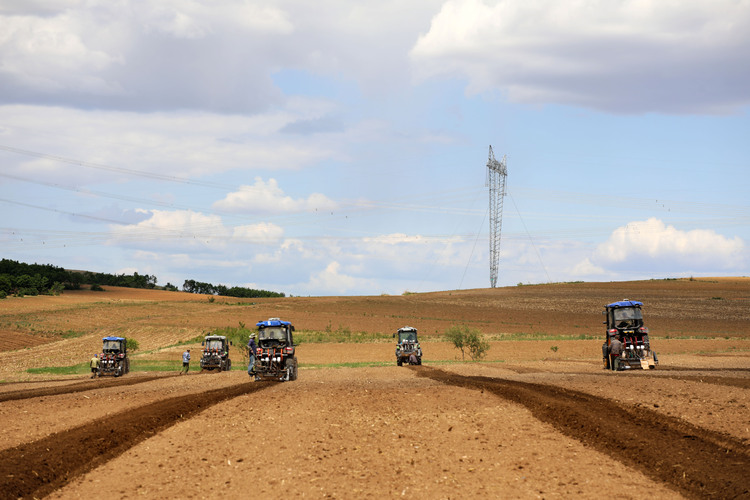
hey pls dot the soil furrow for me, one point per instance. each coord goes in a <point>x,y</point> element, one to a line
<point>697,462</point>
<point>38,468</point>
<point>741,382</point>
<point>89,385</point>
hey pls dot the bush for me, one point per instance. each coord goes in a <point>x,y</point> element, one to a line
<point>131,344</point>
<point>96,288</point>
<point>468,339</point>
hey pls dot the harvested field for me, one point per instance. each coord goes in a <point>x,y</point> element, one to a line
<point>538,418</point>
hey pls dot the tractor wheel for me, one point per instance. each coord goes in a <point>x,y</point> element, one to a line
<point>229,365</point>
<point>399,362</point>
<point>291,369</point>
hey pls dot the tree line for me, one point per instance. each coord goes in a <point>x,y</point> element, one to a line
<point>200,287</point>
<point>19,278</point>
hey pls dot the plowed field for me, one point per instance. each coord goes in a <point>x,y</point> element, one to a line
<point>538,418</point>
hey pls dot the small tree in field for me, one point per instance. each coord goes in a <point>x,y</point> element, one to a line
<point>464,338</point>
<point>131,344</point>
<point>478,347</point>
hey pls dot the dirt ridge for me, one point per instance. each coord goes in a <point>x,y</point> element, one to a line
<point>88,385</point>
<point>698,463</point>
<point>36,469</point>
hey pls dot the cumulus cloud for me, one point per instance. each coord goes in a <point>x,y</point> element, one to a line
<point>163,229</point>
<point>107,145</point>
<point>216,55</point>
<point>332,280</point>
<point>264,233</point>
<point>620,56</point>
<point>653,246</point>
<point>169,228</point>
<point>267,197</point>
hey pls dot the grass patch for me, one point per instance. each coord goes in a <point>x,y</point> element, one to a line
<point>78,369</point>
<point>71,334</point>
<point>539,336</point>
<point>341,334</point>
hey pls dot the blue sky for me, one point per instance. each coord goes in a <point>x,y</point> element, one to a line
<point>339,148</point>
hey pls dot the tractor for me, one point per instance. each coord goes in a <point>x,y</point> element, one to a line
<point>275,358</point>
<point>625,321</point>
<point>114,359</point>
<point>215,354</point>
<point>408,349</point>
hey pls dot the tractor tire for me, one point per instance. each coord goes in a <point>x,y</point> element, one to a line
<point>399,362</point>
<point>229,365</point>
<point>291,368</point>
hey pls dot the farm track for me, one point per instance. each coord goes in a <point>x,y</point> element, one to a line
<point>89,385</point>
<point>696,462</point>
<point>36,469</point>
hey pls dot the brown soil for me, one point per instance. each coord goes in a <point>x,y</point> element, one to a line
<point>529,422</point>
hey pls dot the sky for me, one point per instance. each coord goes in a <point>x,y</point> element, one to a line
<point>340,148</point>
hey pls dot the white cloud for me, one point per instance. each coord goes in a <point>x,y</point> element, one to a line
<point>263,233</point>
<point>183,228</point>
<point>199,54</point>
<point>332,280</point>
<point>49,55</point>
<point>182,144</point>
<point>651,245</point>
<point>267,197</point>
<point>624,56</point>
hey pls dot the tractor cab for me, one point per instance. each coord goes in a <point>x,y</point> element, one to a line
<point>275,333</point>
<point>114,345</point>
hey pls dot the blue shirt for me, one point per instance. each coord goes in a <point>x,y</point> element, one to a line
<point>252,346</point>
<point>185,357</point>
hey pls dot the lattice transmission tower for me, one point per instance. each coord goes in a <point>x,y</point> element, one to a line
<point>497,172</point>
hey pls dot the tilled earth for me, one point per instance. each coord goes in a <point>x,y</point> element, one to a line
<point>542,429</point>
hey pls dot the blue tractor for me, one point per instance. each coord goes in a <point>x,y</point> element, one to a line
<point>276,358</point>
<point>114,359</point>
<point>625,322</point>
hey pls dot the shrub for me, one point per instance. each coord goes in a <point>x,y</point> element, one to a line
<point>131,344</point>
<point>478,347</point>
<point>96,288</point>
<point>468,339</point>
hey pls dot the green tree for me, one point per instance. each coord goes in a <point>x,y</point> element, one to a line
<point>131,344</point>
<point>468,339</point>
<point>6,283</point>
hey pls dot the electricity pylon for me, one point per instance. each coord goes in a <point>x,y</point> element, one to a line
<point>497,172</point>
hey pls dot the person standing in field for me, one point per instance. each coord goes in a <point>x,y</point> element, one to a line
<point>94,364</point>
<point>252,348</point>
<point>185,362</point>
<point>615,351</point>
